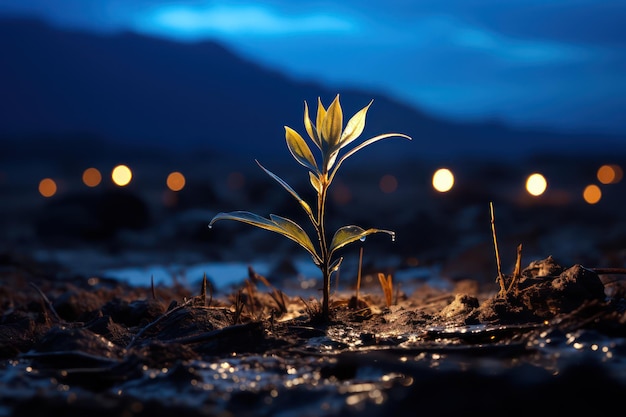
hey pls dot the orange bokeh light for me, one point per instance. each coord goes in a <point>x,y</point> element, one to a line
<point>388,183</point>
<point>592,194</point>
<point>92,177</point>
<point>47,187</point>
<point>175,181</point>
<point>235,180</point>
<point>341,193</point>
<point>610,174</point>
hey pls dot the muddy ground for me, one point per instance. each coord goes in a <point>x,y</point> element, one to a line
<point>551,339</point>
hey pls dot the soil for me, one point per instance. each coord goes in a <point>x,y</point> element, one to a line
<point>550,338</point>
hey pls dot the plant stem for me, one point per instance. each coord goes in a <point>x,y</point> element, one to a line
<point>321,202</point>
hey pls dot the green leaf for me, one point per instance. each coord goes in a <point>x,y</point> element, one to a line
<point>355,126</point>
<point>363,145</point>
<point>287,187</point>
<point>277,224</point>
<point>332,124</point>
<point>348,234</point>
<point>310,128</point>
<point>299,149</point>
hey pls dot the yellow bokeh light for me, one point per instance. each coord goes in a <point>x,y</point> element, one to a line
<point>536,184</point>
<point>121,175</point>
<point>610,174</point>
<point>443,180</point>
<point>47,187</point>
<point>175,181</point>
<point>592,194</point>
<point>388,183</point>
<point>92,177</point>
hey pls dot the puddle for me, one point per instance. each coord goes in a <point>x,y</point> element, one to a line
<point>140,268</point>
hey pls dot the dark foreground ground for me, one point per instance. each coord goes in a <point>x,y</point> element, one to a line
<point>555,342</point>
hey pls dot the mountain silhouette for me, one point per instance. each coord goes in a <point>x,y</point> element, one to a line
<point>133,89</point>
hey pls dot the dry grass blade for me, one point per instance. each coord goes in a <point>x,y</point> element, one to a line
<point>358,276</point>
<point>276,294</point>
<point>502,292</point>
<point>386,283</point>
<point>517,273</point>
<point>239,304</point>
<point>48,304</point>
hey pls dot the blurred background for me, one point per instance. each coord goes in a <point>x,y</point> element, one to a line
<point>126,125</point>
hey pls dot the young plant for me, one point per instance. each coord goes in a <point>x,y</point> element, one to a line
<point>330,137</point>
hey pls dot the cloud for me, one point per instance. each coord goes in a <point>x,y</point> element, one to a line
<point>453,33</point>
<point>240,20</point>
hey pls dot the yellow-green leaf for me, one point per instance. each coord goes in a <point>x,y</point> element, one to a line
<point>355,126</point>
<point>287,187</point>
<point>276,224</point>
<point>299,149</point>
<point>315,182</point>
<point>293,231</point>
<point>348,234</point>
<point>363,145</point>
<point>310,128</point>
<point>332,157</point>
<point>335,265</point>
<point>332,124</point>
<point>321,115</point>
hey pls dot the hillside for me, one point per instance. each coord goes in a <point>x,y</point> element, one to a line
<point>138,90</point>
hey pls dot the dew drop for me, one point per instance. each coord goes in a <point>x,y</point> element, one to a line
<point>393,237</point>
<point>362,239</point>
<point>210,226</point>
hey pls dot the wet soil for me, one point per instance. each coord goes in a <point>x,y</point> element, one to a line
<point>549,338</point>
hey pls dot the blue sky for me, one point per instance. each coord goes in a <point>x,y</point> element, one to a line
<point>558,63</point>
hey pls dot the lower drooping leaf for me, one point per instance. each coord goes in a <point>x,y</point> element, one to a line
<point>281,225</point>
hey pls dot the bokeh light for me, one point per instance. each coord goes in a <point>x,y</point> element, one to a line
<point>235,180</point>
<point>92,177</point>
<point>536,184</point>
<point>443,180</point>
<point>592,194</point>
<point>610,174</point>
<point>121,175</point>
<point>175,181</point>
<point>340,193</point>
<point>47,187</point>
<point>388,183</point>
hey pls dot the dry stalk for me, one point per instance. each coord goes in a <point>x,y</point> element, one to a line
<point>358,276</point>
<point>276,294</point>
<point>387,285</point>
<point>203,291</point>
<point>502,292</point>
<point>517,273</point>
<point>239,304</point>
<point>152,287</point>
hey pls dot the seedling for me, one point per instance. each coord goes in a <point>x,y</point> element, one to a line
<point>330,137</point>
